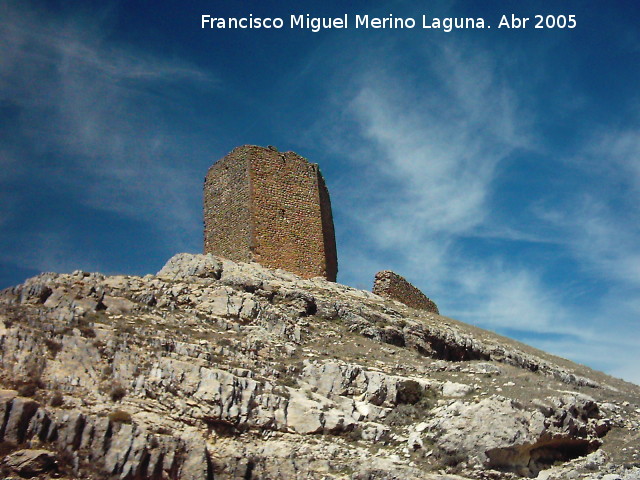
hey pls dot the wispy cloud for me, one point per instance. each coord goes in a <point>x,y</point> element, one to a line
<point>434,153</point>
<point>618,357</point>
<point>439,146</point>
<point>617,153</point>
<point>429,149</point>
<point>91,118</point>
<point>598,224</point>
<point>498,296</point>
<point>601,238</point>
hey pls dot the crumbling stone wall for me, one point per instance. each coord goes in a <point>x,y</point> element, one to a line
<point>273,208</point>
<point>391,285</point>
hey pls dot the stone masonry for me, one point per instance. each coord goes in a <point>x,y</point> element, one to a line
<point>391,285</point>
<point>270,207</point>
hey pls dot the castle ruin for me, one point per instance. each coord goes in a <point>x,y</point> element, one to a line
<point>270,207</point>
<point>390,285</point>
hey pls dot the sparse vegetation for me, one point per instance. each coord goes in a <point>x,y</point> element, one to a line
<point>30,386</point>
<point>118,392</point>
<point>163,431</point>
<point>28,389</point>
<point>450,459</point>
<point>353,435</point>
<point>288,381</point>
<point>6,448</point>
<point>408,413</point>
<point>126,329</point>
<point>120,416</point>
<point>66,460</point>
<point>100,345</point>
<point>87,332</point>
<point>53,346</point>
<point>410,392</point>
<point>57,400</point>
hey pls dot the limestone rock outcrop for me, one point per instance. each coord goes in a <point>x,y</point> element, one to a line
<point>215,369</point>
<point>29,463</point>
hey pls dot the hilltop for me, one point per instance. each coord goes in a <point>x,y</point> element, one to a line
<point>219,370</point>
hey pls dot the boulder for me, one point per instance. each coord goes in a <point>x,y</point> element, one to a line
<point>29,463</point>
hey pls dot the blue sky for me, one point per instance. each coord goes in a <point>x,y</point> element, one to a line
<point>496,169</point>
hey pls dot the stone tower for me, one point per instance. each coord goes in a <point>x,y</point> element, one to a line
<point>272,208</point>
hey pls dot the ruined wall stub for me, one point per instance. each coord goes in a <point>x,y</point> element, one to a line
<point>270,207</point>
<point>391,285</point>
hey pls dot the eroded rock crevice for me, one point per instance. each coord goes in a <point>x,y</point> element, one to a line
<point>529,460</point>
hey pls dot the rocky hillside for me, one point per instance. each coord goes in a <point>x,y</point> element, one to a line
<point>215,370</point>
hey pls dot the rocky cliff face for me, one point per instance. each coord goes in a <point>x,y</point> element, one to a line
<point>217,370</point>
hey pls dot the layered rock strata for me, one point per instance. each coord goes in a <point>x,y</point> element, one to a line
<point>212,369</point>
